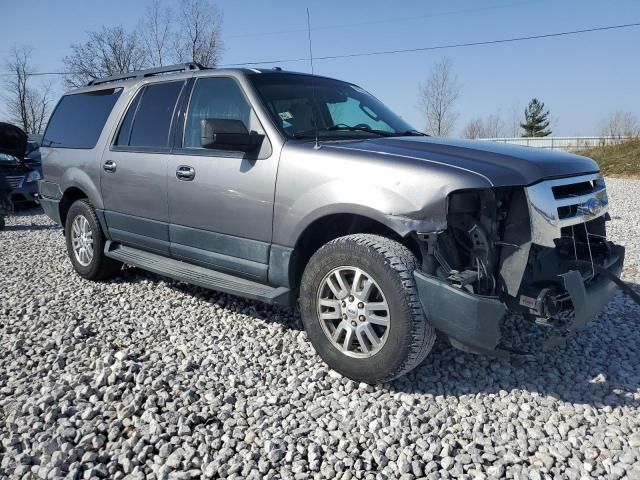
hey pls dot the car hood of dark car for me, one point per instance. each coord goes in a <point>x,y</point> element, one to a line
<point>13,140</point>
<point>500,164</point>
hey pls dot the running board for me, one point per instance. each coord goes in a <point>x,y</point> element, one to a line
<point>193,274</point>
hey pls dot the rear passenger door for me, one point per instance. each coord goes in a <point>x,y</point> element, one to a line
<point>134,169</point>
<point>221,216</point>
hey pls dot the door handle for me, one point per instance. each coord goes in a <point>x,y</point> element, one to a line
<point>186,173</point>
<point>109,166</point>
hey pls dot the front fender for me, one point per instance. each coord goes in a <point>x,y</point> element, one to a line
<point>403,194</point>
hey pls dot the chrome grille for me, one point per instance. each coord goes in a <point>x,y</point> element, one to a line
<point>15,182</point>
<point>563,202</point>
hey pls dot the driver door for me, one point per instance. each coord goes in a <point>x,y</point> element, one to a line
<point>220,214</point>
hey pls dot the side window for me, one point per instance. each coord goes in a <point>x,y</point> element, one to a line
<point>216,97</point>
<point>78,120</point>
<point>125,129</point>
<point>148,120</point>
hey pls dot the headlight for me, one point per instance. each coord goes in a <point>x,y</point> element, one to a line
<point>33,176</point>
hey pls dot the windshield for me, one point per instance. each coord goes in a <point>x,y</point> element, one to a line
<point>31,146</point>
<point>298,103</point>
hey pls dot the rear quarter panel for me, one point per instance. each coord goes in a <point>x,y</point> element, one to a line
<point>80,168</point>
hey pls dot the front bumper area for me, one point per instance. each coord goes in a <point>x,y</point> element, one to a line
<point>28,193</point>
<point>472,322</point>
<point>589,300</point>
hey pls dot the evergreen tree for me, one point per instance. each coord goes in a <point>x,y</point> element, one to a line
<point>536,122</point>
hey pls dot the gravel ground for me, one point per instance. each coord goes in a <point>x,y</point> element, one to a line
<point>145,377</point>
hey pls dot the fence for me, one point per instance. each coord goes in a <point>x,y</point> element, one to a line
<point>561,143</point>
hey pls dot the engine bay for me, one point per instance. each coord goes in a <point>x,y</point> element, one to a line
<point>488,250</point>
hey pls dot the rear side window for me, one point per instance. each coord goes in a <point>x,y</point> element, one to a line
<point>148,120</point>
<point>125,130</point>
<point>79,119</point>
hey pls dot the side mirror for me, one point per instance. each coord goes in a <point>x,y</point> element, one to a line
<point>227,134</point>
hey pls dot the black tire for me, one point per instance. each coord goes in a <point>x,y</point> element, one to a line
<point>391,265</point>
<point>100,267</point>
<point>2,223</point>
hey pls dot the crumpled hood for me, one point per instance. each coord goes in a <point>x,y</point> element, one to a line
<point>500,164</point>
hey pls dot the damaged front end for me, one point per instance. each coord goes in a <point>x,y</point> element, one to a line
<point>540,251</point>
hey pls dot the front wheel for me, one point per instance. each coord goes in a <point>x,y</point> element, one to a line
<point>361,310</point>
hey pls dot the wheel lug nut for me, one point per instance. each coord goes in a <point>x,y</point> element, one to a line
<point>360,305</point>
<point>362,318</point>
<point>344,304</point>
<point>354,323</point>
<point>344,315</point>
<point>351,298</point>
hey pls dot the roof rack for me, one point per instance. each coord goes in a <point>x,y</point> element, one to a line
<point>180,67</point>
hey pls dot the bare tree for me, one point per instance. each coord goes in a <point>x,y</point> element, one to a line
<point>513,128</point>
<point>110,51</point>
<point>197,37</point>
<point>438,96</point>
<point>621,124</point>
<point>494,126</point>
<point>491,127</point>
<point>474,129</point>
<point>27,106</point>
<point>157,34</point>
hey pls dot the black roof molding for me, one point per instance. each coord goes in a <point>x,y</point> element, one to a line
<point>180,67</point>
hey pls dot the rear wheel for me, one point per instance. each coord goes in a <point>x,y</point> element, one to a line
<point>85,243</point>
<point>361,310</point>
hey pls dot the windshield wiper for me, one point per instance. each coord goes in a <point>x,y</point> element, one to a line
<point>344,128</point>
<point>415,133</point>
<point>305,134</point>
<point>357,128</point>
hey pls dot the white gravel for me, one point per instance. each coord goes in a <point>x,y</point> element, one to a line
<point>145,377</point>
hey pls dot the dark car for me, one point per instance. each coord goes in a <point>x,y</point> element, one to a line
<point>32,153</point>
<point>20,167</point>
<point>22,176</point>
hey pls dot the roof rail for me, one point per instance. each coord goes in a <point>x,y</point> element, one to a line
<point>180,67</point>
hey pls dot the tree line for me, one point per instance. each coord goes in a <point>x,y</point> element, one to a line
<point>439,94</point>
<point>187,31</point>
<point>191,31</point>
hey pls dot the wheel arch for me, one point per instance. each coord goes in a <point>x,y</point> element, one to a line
<point>334,225</point>
<point>69,196</point>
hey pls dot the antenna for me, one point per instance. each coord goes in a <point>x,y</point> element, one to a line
<point>313,81</point>
<point>309,33</point>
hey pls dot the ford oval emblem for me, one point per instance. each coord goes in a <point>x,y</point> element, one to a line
<point>593,206</point>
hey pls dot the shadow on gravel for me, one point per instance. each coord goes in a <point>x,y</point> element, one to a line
<point>26,211</point>
<point>24,228</point>
<point>597,366</point>
<point>289,317</point>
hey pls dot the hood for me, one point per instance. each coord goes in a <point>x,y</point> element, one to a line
<point>500,164</point>
<point>13,141</point>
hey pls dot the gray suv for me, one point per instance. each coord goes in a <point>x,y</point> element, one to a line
<point>281,186</point>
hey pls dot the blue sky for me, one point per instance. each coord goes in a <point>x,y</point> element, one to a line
<point>581,79</point>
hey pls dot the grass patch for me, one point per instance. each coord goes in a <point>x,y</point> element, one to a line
<point>617,160</point>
